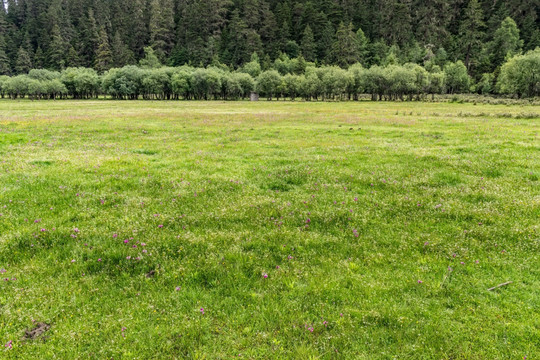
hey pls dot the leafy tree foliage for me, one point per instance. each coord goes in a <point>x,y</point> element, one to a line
<point>521,75</point>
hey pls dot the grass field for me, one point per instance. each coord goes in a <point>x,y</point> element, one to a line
<point>221,230</point>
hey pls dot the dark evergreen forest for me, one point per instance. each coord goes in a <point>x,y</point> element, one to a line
<point>102,34</point>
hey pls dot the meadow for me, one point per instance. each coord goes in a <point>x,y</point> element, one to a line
<point>269,230</point>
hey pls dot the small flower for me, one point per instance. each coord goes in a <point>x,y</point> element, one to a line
<point>177,288</point>
<point>128,257</point>
<point>115,236</point>
<point>72,261</point>
<point>310,329</point>
<point>420,281</point>
<point>265,275</point>
<point>202,311</point>
<point>9,345</point>
<point>99,259</point>
<point>3,271</point>
<point>76,230</point>
<point>160,226</point>
<point>325,323</point>
<point>126,241</point>
<point>426,243</point>
<point>462,263</point>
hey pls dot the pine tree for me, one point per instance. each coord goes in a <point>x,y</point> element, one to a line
<point>23,64</point>
<point>57,49</point>
<point>39,58</point>
<point>72,58</point>
<point>162,27</point>
<point>5,68</point>
<point>120,52</point>
<point>90,38</point>
<point>345,50</point>
<point>326,42</point>
<point>268,31</point>
<point>104,58</point>
<point>431,18</point>
<point>238,48</point>
<point>363,44</point>
<point>471,33</point>
<point>137,35</point>
<point>307,45</point>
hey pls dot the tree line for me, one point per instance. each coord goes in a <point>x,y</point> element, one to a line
<point>103,34</point>
<point>287,79</point>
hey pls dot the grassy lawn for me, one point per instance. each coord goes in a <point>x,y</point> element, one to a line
<point>270,230</point>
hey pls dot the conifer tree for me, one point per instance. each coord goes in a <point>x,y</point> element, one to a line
<point>307,46</point>
<point>471,33</point>
<point>326,42</point>
<point>345,50</point>
<point>24,63</point>
<point>39,58</point>
<point>162,27</point>
<point>57,49</point>
<point>72,58</point>
<point>5,68</point>
<point>363,44</point>
<point>120,52</point>
<point>90,38</point>
<point>104,57</point>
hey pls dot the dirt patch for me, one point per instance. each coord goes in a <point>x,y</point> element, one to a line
<point>36,332</point>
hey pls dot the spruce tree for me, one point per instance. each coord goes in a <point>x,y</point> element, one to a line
<point>307,46</point>
<point>5,68</point>
<point>120,52</point>
<point>39,58</point>
<point>23,64</point>
<point>104,58</point>
<point>72,58</point>
<point>162,27</point>
<point>471,32</point>
<point>363,44</point>
<point>90,38</point>
<point>326,42</point>
<point>345,50</point>
<point>56,50</point>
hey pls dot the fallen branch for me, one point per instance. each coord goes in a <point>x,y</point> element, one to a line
<point>500,285</point>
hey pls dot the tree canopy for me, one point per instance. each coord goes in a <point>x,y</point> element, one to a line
<point>100,34</point>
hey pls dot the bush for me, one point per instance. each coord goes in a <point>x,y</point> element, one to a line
<point>457,78</point>
<point>81,83</point>
<point>521,75</point>
<point>123,83</point>
<point>268,83</point>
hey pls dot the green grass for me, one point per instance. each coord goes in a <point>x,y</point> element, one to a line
<point>345,206</point>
